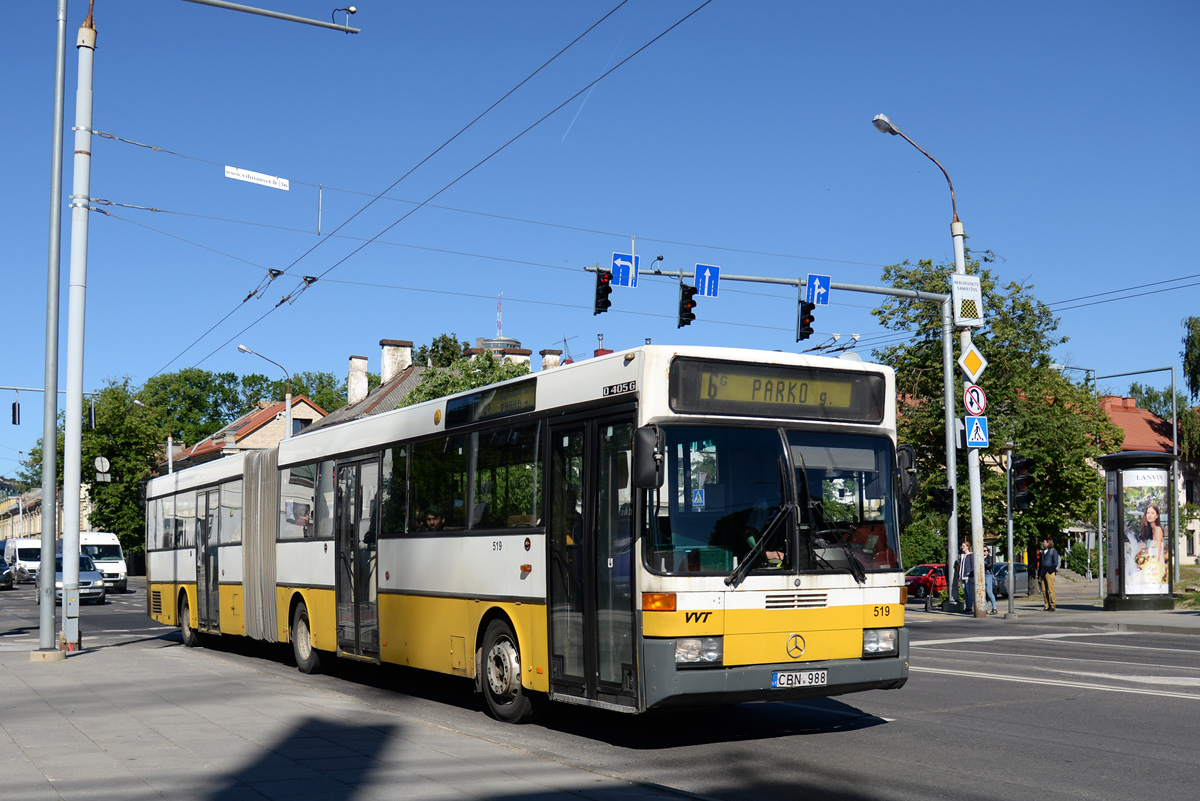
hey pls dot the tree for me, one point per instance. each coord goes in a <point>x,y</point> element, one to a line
<point>1191,355</point>
<point>131,438</point>
<point>445,350</point>
<point>463,374</point>
<point>196,403</point>
<point>1059,424</point>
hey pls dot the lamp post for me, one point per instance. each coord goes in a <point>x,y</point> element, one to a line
<point>884,125</point>
<point>287,419</point>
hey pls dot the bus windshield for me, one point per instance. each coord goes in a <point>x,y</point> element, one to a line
<point>818,499</point>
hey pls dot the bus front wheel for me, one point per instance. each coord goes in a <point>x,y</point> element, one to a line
<point>506,698</point>
<point>308,659</point>
<point>191,637</point>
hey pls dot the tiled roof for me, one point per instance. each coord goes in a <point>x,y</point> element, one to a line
<point>1144,430</point>
<point>384,398</point>
<point>242,427</point>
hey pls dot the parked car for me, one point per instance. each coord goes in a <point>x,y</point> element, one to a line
<point>91,581</point>
<point>7,578</point>
<point>1020,579</point>
<point>925,579</point>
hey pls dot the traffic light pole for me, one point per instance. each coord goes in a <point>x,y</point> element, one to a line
<point>944,301</point>
<point>1012,562</point>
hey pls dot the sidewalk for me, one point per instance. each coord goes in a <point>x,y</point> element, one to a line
<point>150,719</point>
<point>1079,605</point>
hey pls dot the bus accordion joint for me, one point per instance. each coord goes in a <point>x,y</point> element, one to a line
<point>658,602</point>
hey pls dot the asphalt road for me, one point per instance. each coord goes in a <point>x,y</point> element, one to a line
<point>991,711</point>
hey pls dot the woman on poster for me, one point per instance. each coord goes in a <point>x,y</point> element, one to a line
<point>1151,539</point>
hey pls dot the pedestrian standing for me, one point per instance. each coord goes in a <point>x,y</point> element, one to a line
<point>966,575</point>
<point>989,579</point>
<point>1048,565</point>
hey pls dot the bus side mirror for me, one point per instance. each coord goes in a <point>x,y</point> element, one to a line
<point>906,466</point>
<point>649,456</point>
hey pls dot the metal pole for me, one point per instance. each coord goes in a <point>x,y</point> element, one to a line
<point>72,448</point>
<point>262,12</point>
<point>45,587</point>
<point>1012,563</point>
<point>1174,483</point>
<point>951,450</point>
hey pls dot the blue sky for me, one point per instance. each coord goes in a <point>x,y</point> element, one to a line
<point>740,138</point>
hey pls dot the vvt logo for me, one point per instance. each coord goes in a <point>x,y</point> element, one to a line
<point>696,617</point>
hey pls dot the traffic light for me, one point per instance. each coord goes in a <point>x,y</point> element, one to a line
<point>943,500</point>
<point>687,302</point>
<point>603,290</point>
<point>804,328</point>
<point>1022,494</point>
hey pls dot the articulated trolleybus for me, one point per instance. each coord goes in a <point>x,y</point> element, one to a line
<point>653,528</point>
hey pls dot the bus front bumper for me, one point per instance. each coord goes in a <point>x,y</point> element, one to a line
<point>667,684</point>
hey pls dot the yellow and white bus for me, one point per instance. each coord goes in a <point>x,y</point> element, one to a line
<point>650,528</point>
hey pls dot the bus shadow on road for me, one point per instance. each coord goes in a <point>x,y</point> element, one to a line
<point>318,758</point>
<point>681,728</point>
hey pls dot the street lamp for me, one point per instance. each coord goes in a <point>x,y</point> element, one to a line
<point>884,125</point>
<point>287,431</point>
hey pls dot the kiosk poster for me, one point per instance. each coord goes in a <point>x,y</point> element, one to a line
<point>1146,522</point>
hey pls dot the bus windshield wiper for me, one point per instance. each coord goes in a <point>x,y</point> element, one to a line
<point>768,531</point>
<point>853,565</point>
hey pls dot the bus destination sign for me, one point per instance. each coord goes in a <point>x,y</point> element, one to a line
<point>709,387</point>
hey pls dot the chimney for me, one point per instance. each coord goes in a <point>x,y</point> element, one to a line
<point>550,358</point>
<point>356,382</point>
<point>515,355</point>
<point>601,352</point>
<point>397,357</point>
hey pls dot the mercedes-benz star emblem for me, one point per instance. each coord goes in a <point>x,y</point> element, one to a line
<point>795,646</point>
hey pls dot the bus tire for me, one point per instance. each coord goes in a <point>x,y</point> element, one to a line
<point>191,637</point>
<point>308,659</point>
<point>507,700</point>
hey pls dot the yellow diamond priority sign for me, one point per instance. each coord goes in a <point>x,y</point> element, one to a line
<point>972,363</point>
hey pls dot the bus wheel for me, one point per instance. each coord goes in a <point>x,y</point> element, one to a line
<point>506,698</point>
<point>308,659</point>
<point>191,637</point>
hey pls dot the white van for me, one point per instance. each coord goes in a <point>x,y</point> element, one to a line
<point>105,550</point>
<point>23,555</point>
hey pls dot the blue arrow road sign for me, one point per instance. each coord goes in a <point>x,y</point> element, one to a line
<point>625,269</point>
<point>977,432</point>
<point>707,278</point>
<point>818,290</point>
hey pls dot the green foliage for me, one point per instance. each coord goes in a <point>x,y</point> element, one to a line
<point>444,351</point>
<point>1191,355</point>
<point>924,540</point>
<point>464,374</point>
<point>1081,559</point>
<point>1059,424</point>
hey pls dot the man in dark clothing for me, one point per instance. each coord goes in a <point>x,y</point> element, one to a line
<point>1047,566</point>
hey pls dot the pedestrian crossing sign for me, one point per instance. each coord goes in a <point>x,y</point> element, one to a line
<point>977,432</point>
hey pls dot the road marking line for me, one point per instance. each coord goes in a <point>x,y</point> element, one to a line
<point>1054,683</point>
<point>1090,660</point>
<point>1063,635</point>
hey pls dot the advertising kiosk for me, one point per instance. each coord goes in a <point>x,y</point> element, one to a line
<point>1139,509</point>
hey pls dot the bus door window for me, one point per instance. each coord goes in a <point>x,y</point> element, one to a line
<point>614,541</point>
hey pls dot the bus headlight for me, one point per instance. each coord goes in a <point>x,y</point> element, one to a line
<point>880,642</point>
<point>699,651</point>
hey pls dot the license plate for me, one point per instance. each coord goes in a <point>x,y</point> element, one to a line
<point>799,678</point>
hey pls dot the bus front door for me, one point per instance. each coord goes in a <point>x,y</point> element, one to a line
<point>591,553</point>
<point>208,572</point>
<point>357,522</point>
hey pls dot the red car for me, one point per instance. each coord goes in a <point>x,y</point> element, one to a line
<point>924,579</point>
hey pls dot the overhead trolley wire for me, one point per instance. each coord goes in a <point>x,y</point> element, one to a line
<point>306,283</point>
